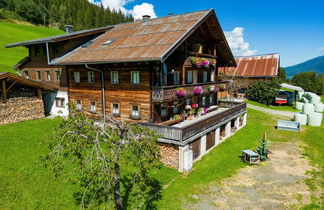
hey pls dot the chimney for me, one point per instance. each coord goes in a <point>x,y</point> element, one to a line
<point>68,29</point>
<point>145,18</point>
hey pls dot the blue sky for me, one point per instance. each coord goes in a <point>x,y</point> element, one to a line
<point>292,28</point>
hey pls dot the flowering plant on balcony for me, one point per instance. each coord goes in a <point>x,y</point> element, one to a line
<point>194,106</point>
<point>212,88</point>
<point>181,92</point>
<point>200,61</point>
<point>198,90</point>
<point>222,86</point>
<point>187,107</point>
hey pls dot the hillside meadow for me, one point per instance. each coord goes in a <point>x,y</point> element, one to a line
<point>12,33</point>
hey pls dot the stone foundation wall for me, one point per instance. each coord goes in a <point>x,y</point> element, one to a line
<point>169,155</point>
<point>20,109</point>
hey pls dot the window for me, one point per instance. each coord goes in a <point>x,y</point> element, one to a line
<point>135,77</point>
<point>211,100</point>
<point>39,75</point>
<point>163,110</point>
<point>57,75</point>
<point>115,109</point>
<point>135,112</point>
<point>91,77</point>
<point>78,105</point>
<point>114,77</point>
<point>55,50</point>
<point>48,75</point>
<point>175,107</point>
<point>205,76</point>
<point>93,106</point>
<point>176,76</point>
<point>36,50</point>
<point>26,74</point>
<point>59,102</point>
<point>189,76</point>
<point>203,101</point>
<point>188,101</point>
<point>76,77</point>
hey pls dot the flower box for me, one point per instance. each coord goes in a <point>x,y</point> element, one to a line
<point>198,90</point>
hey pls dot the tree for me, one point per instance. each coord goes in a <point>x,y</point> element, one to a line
<point>263,92</point>
<point>309,81</point>
<point>282,75</point>
<point>101,156</point>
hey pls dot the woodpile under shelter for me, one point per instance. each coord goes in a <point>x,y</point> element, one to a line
<point>20,98</point>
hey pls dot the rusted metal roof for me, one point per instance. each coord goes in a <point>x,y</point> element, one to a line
<point>149,40</point>
<point>253,66</point>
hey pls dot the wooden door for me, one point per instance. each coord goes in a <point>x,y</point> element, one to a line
<point>210,140</point>
<point>196,149</point>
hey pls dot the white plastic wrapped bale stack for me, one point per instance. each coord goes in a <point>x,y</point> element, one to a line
<point>301,118</point>
<point>315,99</point>
<point>308,108</point>
<point>319,107</point>
<point>303,99</point>
<point>300,95</point>
<point>299,105</point>
<point>315,119</point>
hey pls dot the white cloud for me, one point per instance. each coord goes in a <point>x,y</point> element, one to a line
<point>235,39</point>
<point>138,10</point>
<point>320,49</point>
<point>143,9</point>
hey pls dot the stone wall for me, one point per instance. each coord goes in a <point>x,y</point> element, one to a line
<point>169,155</point>
<point>20,109</point>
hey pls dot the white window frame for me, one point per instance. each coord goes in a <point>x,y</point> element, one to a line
<point>114,77</point>
<point>190,76</point>
<point>205,76</point>
<point>76,77</point>
<point>26,74</point>
<point>57,75</point>
<point>175,107</point>
<point>188,101</point>
<point>78,105</point>
<point>176,78</point>
<point>48,75</point>
<point>93,108</point>
<point>60,102</point>
<point>136,113</point>
<point>91,77</point>
<point>115,111</point>
<point>211,100</point>
<point>203,100</point>
<point>135,80</point>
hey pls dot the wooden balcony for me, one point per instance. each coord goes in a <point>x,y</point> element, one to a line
<point>179,133</point>
<point>170,92</point>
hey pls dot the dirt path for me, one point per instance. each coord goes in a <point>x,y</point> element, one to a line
<point>271,111</point>
<point>275,184</point>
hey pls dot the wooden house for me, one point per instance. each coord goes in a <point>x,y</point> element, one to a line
<point>161,73</point>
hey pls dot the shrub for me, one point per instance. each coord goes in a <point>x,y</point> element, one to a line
<point>263,92</point>
<point>310,82</point>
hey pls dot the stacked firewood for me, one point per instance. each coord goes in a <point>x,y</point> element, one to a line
<point>20,109</point>
<point>169,155</point>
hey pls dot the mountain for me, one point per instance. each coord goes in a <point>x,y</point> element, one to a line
<point>11,33</point>
<point>315,64</point>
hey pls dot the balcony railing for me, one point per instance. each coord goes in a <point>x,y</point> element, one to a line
<point>179,134</point>
<point>170,92</point>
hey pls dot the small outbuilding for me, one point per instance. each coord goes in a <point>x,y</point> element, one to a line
<point>20,98</point>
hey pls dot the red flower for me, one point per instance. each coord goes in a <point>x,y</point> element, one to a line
<point>194,105</point>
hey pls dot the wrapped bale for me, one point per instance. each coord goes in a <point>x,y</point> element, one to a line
<point>315,99</point>
<point>319,107</point>
<point>303,99</point>
<point>301,118</point>
<point>300,95</point>
<point>315,119</point>
<point>308,108</point>
<point>299,105</point>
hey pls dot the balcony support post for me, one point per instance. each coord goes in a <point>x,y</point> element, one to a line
<point>244,119</point>
<point>228,129</point>
<point>237,122</point>
<point>185,159</point>
<point>203,145</point>
<point>217,135</point>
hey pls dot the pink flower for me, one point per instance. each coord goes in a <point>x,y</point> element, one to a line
<point>194,105</point>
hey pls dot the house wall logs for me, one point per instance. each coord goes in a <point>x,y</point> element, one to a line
<point>20,109</point>
<point>169,155</point>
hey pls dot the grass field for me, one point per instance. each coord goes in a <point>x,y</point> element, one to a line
<point>24,184</point>
<point>11,33</point>
<point>279,108</point>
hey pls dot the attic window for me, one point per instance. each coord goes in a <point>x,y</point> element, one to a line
<point>86,44</point>
<point>108,42</point>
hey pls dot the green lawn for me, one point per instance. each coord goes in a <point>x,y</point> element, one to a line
<point>24,184</point>
<point>279,108</point>
<point>12,33</point>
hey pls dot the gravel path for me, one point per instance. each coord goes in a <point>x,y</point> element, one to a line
<point>274,184</point>
<point>271,111</point>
